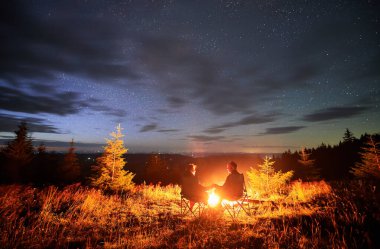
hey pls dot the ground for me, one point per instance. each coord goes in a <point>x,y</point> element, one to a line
<point>307,215</point>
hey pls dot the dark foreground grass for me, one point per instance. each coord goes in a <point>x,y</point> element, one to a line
<point>310,215</point>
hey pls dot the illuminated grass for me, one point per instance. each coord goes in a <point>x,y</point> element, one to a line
<point>311,215</point>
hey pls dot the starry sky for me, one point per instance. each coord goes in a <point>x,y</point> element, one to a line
<point>256,76</point>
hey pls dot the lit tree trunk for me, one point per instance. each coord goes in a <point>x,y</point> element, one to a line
<point>113,167</point>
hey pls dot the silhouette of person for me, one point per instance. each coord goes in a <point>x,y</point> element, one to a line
<point>233,187</point>
<point>190,187</point>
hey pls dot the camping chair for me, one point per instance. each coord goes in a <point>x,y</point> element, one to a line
<point>196,211</point>
<point>234,204</point>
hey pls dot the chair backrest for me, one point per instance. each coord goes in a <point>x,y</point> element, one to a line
<point>236,187</point>
<point>189,186</point>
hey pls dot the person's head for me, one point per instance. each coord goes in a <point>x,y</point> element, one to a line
<point>231,166</point>
<point>191,168</point>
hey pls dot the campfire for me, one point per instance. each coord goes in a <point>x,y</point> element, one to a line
<point>213,199</point>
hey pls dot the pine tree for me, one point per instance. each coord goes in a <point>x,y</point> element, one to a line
<point>348,136</point>
<point>311,172</point>
<point>267,169</point>
<point>70,169</point>
<point>266,181</point>
<point>111,175</point>
<point>369,167</point>
<point>18,153</point>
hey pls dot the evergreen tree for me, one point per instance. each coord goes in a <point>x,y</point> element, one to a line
<point>369,167</point>
<point>348,136</point>
<point>111,175</point>
<point>266,181</point>
<point>311,172</point>
<point>18,154</point>
<point>70,169</point>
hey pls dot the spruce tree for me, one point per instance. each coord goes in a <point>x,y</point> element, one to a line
<point>111,177</point>
<point>70,169</point>
<point>266,181</point>
<point>369,167</point>
<point>19,154</point>
<point>348,136</point>
<point>311,172</point>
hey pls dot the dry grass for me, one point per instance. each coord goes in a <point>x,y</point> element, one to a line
<point>311,215</point>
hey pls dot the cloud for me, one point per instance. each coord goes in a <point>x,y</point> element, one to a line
<point>282,130</point>
<point>202,138</point>
<point>335,113</point>
<point>37,49</point>
<point>187,76</point>
<point>9,123</point>
<point>271,146</point>
<point>176,101</point>
<point>248,120</point>
<point>57,103</point>
<point>33,101</point>
<point>149,127</point>
<point>168,130</point>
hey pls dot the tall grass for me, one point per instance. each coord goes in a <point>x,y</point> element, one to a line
<point>311,215</point>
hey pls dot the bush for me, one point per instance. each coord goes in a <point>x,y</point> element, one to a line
<point>265,182</point>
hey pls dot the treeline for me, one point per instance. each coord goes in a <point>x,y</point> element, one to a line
<point>334,162</point>
<point>21,162</point>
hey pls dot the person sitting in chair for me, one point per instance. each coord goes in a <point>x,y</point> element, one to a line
<point>234,186</point>
<point>190,187</point>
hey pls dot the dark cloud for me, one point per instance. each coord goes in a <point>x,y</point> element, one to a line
<point>19,101</point>
<point>37,48</point>
<point>185,74</point>
<point>335,113</point>
<point>248,120</point>
<point>49,101</point>
<point>93,105</point>
<point>176,101</point>
<point>148,127</point>
<point>282,130</point>
<point>167,130</point>
<point>10,123</point>
<point>271,146</point>
<point>202,138</point>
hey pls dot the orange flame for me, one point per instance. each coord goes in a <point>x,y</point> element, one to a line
<point>213,199</point>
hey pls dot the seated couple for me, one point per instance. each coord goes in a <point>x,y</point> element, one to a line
<point>232,188</point>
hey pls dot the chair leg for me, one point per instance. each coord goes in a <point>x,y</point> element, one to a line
<point>195,208</point>
<point>234,208</point>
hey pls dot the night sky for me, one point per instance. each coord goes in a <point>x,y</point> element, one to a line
<point>190,76</point>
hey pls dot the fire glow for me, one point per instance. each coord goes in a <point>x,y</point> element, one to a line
<point>213,199</point>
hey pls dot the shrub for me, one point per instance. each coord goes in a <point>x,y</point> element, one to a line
<point>265,181</point>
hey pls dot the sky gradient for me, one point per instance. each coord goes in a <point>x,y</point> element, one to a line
<point>190,76</point>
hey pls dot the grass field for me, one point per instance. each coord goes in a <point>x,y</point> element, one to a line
<point>307,215</point>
